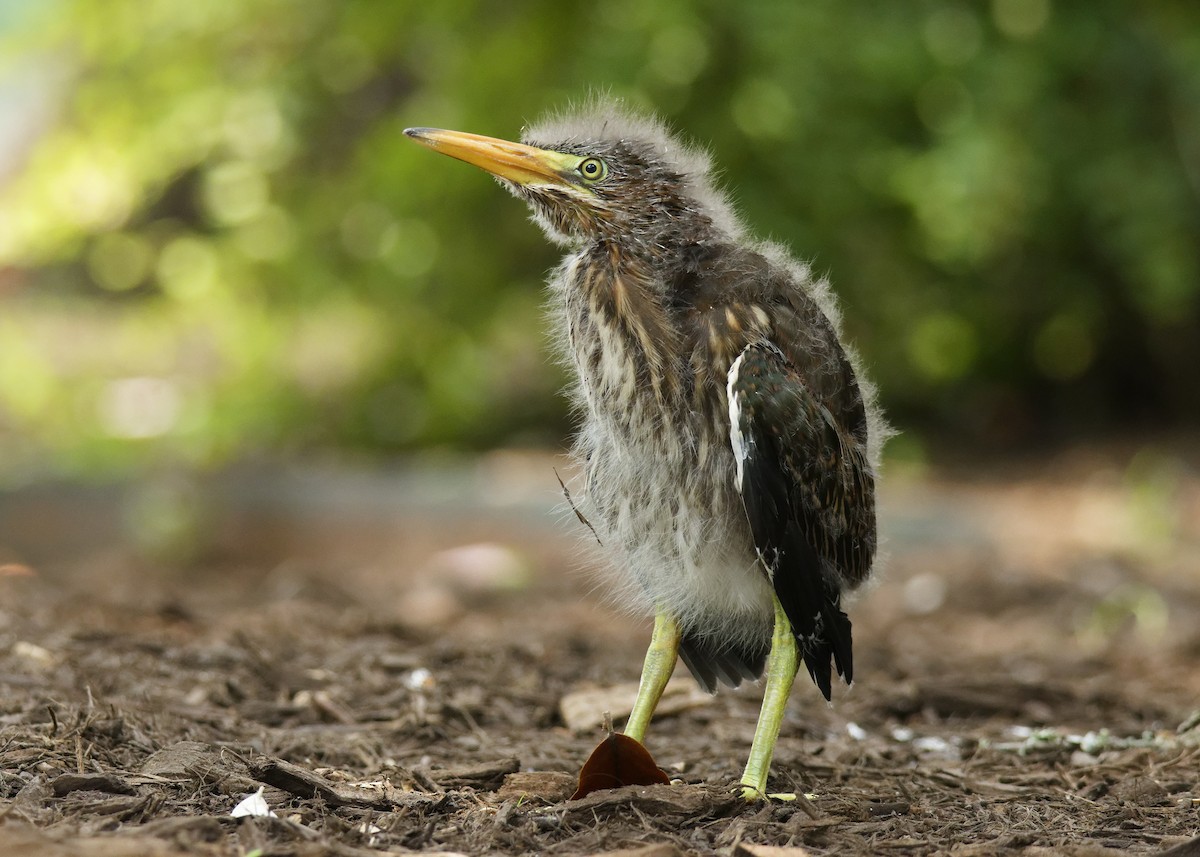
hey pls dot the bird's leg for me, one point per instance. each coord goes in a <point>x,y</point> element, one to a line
<point>781,672</point>
<point>656,671</point>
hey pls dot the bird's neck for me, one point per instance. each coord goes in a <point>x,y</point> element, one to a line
<point>620,323</point>
<point>656,258</point>
<point>620,280</point>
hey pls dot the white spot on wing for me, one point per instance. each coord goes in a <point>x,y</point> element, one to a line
<point>741,450</point>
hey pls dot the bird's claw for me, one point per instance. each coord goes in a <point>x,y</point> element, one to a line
<point>750,794</point>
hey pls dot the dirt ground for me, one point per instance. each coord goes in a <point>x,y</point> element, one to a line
<point>387,653</point>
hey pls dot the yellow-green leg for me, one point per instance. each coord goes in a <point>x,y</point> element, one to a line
<point>656,671</point>
<point>782,664</point>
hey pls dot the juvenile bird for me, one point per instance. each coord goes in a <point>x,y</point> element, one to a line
<point>728,443</point>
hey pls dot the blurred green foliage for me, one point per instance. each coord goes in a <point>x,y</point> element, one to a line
<point>223,243</point>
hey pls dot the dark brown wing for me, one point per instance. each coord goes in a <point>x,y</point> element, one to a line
<point>809,494</point>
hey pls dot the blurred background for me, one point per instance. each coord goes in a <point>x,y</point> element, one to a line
<point>216,247</point>
<point>280,429</point>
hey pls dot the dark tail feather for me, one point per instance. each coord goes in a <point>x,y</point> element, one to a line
<point>711,662</point>
<point>832,641</point>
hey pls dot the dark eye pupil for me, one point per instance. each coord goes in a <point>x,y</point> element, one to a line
<point>590,168</point>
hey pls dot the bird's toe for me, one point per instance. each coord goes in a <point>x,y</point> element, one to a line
<point>751,794</point>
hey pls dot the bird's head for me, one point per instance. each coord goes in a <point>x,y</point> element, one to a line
<point>602,173</point>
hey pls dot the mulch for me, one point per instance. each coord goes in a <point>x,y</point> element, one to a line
<point>1045,702</point>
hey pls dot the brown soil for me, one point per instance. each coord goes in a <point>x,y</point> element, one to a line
<point>1027,675</point>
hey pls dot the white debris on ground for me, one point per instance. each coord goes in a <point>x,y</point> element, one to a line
<point>253,805</point>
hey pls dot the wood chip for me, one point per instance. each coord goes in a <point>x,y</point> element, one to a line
<point>662,849</point>
<point>583,710</point>
<point>746,850</point>
<point>18,840</point>
<point>304,783</point>
<point>799,822</point>
<point>1142,791</point>
<point>550,786</point>
<point>886,809</point>
<point>673,801</point>
<point>110,783</point>
<point>486,776</point>
<point>1191,848</point>
<point>191,760</point>
<point>1059,851</point>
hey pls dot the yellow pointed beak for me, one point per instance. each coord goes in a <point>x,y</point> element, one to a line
<point>515,162</point>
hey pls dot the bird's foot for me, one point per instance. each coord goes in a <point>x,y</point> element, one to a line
<point>750,794</point>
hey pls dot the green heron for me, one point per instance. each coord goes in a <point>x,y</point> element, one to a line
<point>728,446</point>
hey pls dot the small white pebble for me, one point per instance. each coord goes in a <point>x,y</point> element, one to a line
<point>856,731</point>
<point>924,593</point>
<point>932,744</point>
<point>481,569</point>
<point>419,679</point>
<point>1094,742</point>
<point>34,654</point>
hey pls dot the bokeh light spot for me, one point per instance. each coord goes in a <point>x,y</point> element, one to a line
<point>269,236</point>
<point>187,268</point>
<point>953,35</point>
<point>678,54</point>
<point>93,191</point>
<point>235,191</point>
<point>139,407</point>
<point>1021,19</point>
<point>416,249</point>
<point>762,108</point>
<point>27,380</point>
<point>254,127</point>
<point>1064,348</point>
<point>369,230</point>
<point>943,346</point>
<point>119,261</point>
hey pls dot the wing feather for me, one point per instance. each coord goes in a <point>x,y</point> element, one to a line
<point>808,490</point>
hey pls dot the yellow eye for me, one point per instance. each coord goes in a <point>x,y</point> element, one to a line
<point>592,169</point>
